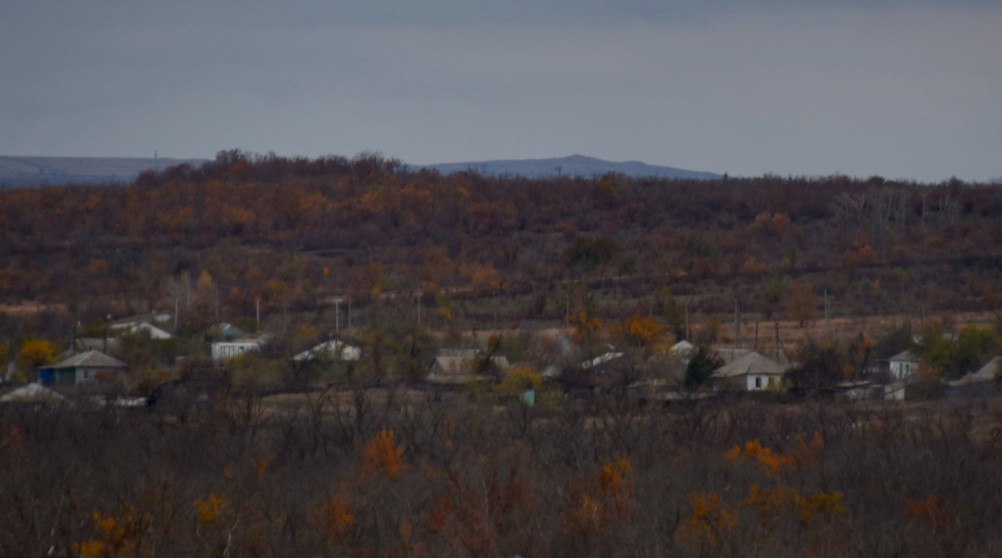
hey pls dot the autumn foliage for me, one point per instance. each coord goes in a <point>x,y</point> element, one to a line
<point>733,479</point>
<point>286,232</point>
<point>382,456</point>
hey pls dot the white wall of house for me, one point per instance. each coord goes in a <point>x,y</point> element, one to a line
<point>761,382</point>
<point>894,392</point>
<point>901,370</point>
<point>222,350</point>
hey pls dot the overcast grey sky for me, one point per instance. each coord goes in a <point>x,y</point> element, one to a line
<point>904,89</point>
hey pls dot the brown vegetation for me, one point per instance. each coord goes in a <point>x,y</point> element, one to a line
<point>433,478</point>
<point>285,235</point>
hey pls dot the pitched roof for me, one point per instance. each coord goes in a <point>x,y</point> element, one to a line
<point>335,348</point>
<point>682,346</point>
<point>31,393</point>
<point>457,366</point>
<point>135,327</point>
<point>89,359</point>
<point>904,356</point>
<point>986,373</point>
<point>601,359</point>
<point>751,363</point>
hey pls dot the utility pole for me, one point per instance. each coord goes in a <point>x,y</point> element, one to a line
<point>828,316</point>
<point>777,339</point>
<point>737,326</point>
<point>105,345</point>
<point>337,315</point>
<point>687,338</point>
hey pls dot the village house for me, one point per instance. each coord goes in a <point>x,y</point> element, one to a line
<point>82,368</point>
<point>142,328</point>
<point>749,372</point>
<point>611,371</point>
<point>227,332</point>
<point>460,366</point>
<point>33,394</point>
<point>333,349</point>
<point>225,350</point>
<point>987,380</point>
<point>902,366</point>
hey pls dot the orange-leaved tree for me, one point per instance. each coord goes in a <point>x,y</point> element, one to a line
<point>382,456</point>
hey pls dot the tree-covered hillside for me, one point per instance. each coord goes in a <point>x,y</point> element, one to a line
<point>289,233</point>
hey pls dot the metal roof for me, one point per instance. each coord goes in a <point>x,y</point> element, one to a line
<point>751,363</point>
<point>89,359</point>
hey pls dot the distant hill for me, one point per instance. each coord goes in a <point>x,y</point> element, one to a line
<point>575,165</point>
<point>40,171</point>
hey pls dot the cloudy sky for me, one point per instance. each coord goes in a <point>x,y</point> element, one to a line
<point>899,88</point>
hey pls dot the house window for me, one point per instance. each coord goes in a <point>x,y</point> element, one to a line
<point>758,382</point>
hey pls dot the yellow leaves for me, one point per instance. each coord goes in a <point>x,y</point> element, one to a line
<point>708,519</point>
<point>766,501</point>
<point>382,456</point>
<point>334,516</point>
<point>817,441</point>
<point>115,535</point>
<point>818,506</point>
<point>586,515</point>
<point>437,514</point>
<point>12,439</point>
<point>481,276</point>
<point>805,453</point>
<point>210,510</point>
<point>861,254</point>
<point>779,501</point>
<point>769,223</point>
<point>754,451</point>
<point>612,474</point>
<point>598,502</point>
<point>643,329</point>
<point>753,267</point>
<point>445,313</point>
<point>111,528</point>
<point>585,326</point>
<point>931,509</point>
<point>809,509</point>
<point>34,353</point>
<point>261,466</point>
<point>90,549</point>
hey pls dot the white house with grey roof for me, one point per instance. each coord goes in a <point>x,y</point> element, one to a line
<point>750,372</point>
<point>903,366</point>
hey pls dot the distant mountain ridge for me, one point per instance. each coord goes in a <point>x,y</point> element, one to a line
<point>575,165</point>
<point>41,171</point>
